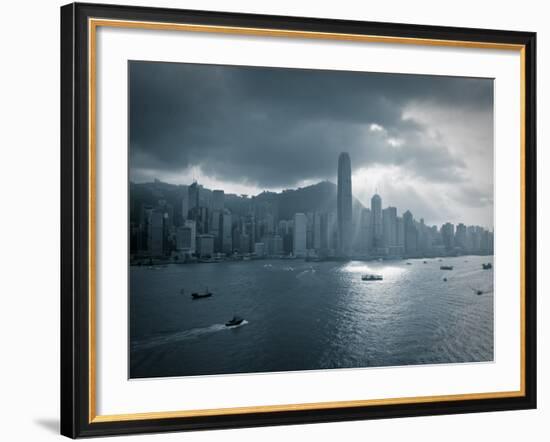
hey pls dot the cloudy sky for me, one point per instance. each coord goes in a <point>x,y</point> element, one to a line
<point>425,143</point>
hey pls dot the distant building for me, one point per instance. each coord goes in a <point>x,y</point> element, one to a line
<point>300,235</point>
<point>218,200</point>
<point>365,231</point>
<point>400,227</point>
<point>185,237</point>
<point>317,231</point>
<point>389,226</point>
<point>226,233</point>
<point>344,204</point>
<point>156,233</point>
<point>411,234</point>
<point>205,245</point>
<point>461,237</point>
<point>185,203</point>
<point>376,220</point>
<point>193,196</point>
<point>259,249</point>
<point>448,236</point>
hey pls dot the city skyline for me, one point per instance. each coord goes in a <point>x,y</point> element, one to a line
<point>205,228</point>
<point>422,141</point>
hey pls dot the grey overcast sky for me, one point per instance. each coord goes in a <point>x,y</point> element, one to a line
<point>425,143</point>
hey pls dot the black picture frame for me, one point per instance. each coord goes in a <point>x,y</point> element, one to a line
<point>75,221</point>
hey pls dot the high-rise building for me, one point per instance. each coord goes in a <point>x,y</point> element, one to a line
<point>193,196</point>
<point>205,245</point>
<point>365,231</point>
<point>411,234</point>
<point>460,237</point>
<point>332,231</point>
<point>317,231</point>
<point>389,226</point>
<point>156,233</point>
<point>376,220</point>
<point>344,204</point>
<point>300,235</point>
<point>448,235</point>
<point>226,234</point>
<point>185,203</point>
<point>191,235</point>
<point>400,226</point>
<point>218,200</point>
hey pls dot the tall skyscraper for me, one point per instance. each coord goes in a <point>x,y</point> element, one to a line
<point>411,234</point>
<point>376,220</point>
<point>193,196</point>
<point>300,235</point>
<point>218,199</point>
<point>185,203</point>
<point>365,230</point>
<point>389,226</point>
<point>156,233</point>
<point>344,204</point>
<point>226,233</point>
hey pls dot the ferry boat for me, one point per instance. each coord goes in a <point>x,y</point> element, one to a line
<point>371,277</point>
<point>235,320</point>
<point>199,295</point>
<point>446,267</point>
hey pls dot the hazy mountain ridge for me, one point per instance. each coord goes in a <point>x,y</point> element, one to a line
<point>320,197</point>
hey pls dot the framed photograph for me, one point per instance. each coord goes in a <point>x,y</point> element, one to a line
<point>275,220</point>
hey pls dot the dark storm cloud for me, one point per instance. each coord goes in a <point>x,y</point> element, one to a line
<point>276,127</point>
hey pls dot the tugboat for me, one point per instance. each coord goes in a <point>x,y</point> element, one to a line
<point>235,320</point>
<point>446,267</point>
<point>487,266</point>
<point>371,277</point>
<point>199,295</point>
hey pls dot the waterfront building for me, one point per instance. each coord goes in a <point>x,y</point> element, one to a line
<point>260,249</point>
<point>460,237</point>
<point>193,196</point>
<point>156,233</point>
<point>389,226</point>
<point>448,236</point>
<point>191,235</point>
<point>218,200</point>
<point>317,231</point>
<point>185,203</point>
<point>205,245</point>
<point>376,220</point>
<point>400,227</point>
<point>411,234</point>
<point>226,233</point>
<point>300,235</point>
<point>365,231</point>
<point>344,204</point>
<point>332,231</point>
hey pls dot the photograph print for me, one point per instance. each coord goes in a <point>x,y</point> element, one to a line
<point>297,219</point>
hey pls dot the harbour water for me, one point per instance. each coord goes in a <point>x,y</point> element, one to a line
<point>309,315</point>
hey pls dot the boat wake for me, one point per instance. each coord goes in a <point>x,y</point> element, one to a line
<point>184,335</point>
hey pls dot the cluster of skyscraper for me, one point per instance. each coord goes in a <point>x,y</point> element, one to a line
<point>208,229</point>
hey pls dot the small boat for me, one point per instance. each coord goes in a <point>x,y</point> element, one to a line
<point>446,267</point>
<point>199,295</point>
<point>235,320</point>
<point>409,263</point>
<point>425,262</point>
<point>444,279</point>
<point>371,277</point>
<point>487,266</point>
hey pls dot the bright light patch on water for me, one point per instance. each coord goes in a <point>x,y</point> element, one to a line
<point>381,269</point>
